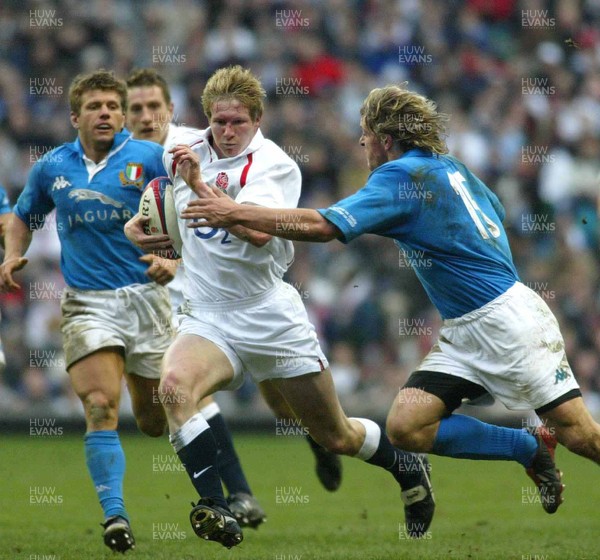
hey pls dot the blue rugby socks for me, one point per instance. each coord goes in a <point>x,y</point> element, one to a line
<point>197,449</point>
<point>106,463</point>
<point>230,468</point>
<point>468,438</point>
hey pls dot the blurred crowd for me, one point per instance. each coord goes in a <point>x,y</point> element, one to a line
<point>520,79</point>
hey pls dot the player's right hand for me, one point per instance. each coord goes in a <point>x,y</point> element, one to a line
<point>134,231</point>
<point>162,271</point>
<point>188,168</point>
<point>7,268</point>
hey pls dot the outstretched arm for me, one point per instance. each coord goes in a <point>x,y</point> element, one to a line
<point>188,167</point>
<point>17,239</point>
<point>297,224</point>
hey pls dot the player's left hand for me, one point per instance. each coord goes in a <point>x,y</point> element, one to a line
<point>214,212</point>
<point>134,231</point>
<point>161,270</point>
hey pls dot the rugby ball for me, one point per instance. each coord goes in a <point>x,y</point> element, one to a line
<point>157,204</point>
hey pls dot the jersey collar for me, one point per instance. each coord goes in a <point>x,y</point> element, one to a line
<point>416,152</point>
<point>119,141</point>
<point>257,141</point>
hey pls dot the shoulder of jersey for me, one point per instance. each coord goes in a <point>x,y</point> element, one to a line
<point>151,147</point>
<point>184,135</point>
<point>52,154</point>
<point>275,155</point>
<point>406,164</point>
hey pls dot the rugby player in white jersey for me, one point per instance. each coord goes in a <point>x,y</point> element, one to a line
<point>239,316</point>
<point>148,117</point>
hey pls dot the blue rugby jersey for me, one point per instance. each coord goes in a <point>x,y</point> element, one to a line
<point>446,222</point>
<point>5,207</point>
<point>91,211</point>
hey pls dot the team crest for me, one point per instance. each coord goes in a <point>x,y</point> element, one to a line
<point>133,175</point>
<point>222,181</point>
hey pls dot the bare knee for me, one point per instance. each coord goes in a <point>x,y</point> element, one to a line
<point>404,435</point>
<point>100,410</point>
<point>152,425</point>
<point>410,432</point>
<point>414,419</point>
<point>173,391</point>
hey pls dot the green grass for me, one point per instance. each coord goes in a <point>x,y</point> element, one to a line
<point>480,511</point>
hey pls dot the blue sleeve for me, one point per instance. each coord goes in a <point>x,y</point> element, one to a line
<point>4,202</point>
<point>35,201</point>
<point>383,204</point>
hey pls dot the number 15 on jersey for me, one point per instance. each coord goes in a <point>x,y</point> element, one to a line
<point>485,225</point>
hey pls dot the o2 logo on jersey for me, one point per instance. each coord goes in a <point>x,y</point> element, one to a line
<point>211,233</point>
<point>222,181</point>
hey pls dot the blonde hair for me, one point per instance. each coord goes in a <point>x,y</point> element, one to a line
<point>234,82</point>
<point>408,117</point>
<point>102,80</point>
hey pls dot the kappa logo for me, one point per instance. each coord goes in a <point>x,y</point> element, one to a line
<point>222,181</point>
<point>60,183</point>
<point>561,375</point>
<point>86,194</point>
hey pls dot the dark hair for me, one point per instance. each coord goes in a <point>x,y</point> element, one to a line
<point>102,80</point>
<point>148,77</point>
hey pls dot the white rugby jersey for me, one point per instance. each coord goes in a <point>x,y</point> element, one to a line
<point>177,130</point>
<point>218,265</point>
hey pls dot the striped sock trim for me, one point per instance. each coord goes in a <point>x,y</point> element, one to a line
<point>210,410</point>
<point>188,432</point>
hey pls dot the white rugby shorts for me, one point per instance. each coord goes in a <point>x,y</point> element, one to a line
<point>267,336</point>
<point>512,346</point>
<point>136,318</point>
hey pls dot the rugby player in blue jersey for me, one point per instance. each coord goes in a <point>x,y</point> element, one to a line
<point>115,302</point>
<point>498,335</point>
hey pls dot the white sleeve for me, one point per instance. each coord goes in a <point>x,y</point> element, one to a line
<point>276,186</point>
<point>168,163</point>
<point>181,135</point>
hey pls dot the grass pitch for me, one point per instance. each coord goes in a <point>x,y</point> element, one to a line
<point>485,510</point>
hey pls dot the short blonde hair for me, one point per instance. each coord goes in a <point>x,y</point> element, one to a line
<point>408,117</point>
<point>234,82</point>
